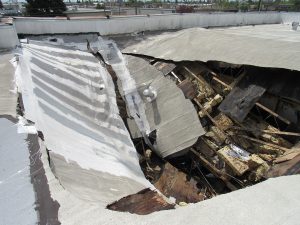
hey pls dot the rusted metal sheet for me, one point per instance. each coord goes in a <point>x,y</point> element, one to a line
<point>142,203</point>
<point>174,183</point>
<point>164,67</point>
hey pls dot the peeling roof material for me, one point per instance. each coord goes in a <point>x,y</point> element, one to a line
<point>172,115</point>
<point>71,98</point>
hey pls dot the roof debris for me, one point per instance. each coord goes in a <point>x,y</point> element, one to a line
<point>199,126</point>
<point>242,145</point>
<point>141,203</point>
<point>172,116</point>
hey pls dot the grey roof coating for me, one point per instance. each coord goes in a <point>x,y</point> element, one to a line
<point>275,46</point>
<point>172,115</point>
<point>17,196</point>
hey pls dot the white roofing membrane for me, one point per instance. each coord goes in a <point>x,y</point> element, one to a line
<point>275,46</point>
<point>71,98</point>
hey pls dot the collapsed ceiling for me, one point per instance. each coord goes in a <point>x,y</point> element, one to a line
<point>199,120</point>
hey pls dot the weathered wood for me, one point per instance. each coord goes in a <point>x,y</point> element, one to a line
<point>238,166</point>
<point>272,113</point>
<point>206,88</point>
<point>173,183</point>
<point>264,142</point>
<point>221,82</point>
<point>194,75</point>
<point>285,168</point>
<point>257,104</point>
<point>188,89</point>
<point>209,116</point>
<point>266,131</point>
<point>286,157</point>
<point>223,121</point>
<point>217,173</point>
<point>142,203</point>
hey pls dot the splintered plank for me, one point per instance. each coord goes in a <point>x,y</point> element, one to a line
<point>142,203</point>
<point>290,167</point>
<point>173,183</point>
<point>238,166</point>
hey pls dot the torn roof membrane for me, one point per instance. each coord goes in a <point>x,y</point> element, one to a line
<point>275,46</point>
<point>172,115</point>
<point>168,112</point>
<point>71,98</point>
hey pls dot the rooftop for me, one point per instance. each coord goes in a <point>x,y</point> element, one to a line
<point>194,126</point>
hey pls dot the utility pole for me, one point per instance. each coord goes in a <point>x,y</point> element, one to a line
<point>259,5</point>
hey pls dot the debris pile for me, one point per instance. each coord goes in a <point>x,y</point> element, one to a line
<point>251,130</point>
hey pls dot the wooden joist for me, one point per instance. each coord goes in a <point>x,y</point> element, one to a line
<point>264,142</point>
<point>267,131</point>
<point>217,173</point>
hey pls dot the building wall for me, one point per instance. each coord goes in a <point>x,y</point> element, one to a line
<point>120,25</point>
<point>8,37</point>
<point>289,17</point>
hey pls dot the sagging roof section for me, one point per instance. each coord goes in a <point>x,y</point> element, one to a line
<point>71,98</point>
<point>172,115</point>
<point>266,46</point>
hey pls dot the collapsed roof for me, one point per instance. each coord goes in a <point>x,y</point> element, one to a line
<point>172,115</point>
<point>64,96</point>
<point>71,98</point>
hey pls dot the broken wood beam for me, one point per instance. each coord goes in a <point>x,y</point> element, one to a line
<point>205,88</point>
<point>217,173</point>
<point>265,143</point>
<point>212,119</point>
<point>194,75</point>
<point>142,203</point>
<point>272,113</point>
<point>238,166</point>
<point>286,157</point>
<point>174,183</point>
<point>221,82</point>
<point>266,131</point>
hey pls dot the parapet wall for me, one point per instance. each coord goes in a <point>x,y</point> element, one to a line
<point>128,24</point>
<point>120,25</point>
<point>289,17</point>
<point>8,37</point>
